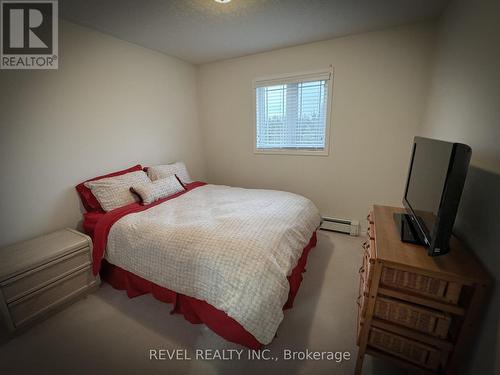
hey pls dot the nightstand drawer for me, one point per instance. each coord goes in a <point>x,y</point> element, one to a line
<point>28,282</point>
<point>34,304</point>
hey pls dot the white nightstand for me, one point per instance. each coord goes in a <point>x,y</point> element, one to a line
<point>40,276</point>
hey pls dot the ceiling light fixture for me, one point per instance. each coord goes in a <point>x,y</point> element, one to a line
<point>222,1</point>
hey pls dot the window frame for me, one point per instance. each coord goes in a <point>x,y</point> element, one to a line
<point>301,77</point>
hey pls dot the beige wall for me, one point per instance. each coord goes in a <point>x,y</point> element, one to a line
<point>464,106</point>
<point>110,105</point>
<point>464,103</point>
<point>380,85</point>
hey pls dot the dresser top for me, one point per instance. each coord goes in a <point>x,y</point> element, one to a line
<point>458,263</point>
<point>26,255</point>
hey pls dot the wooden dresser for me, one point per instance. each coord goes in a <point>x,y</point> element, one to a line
<point>413,309</point>
<point>42,275</point>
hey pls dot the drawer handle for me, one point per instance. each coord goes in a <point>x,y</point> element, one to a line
<point>358,301</point>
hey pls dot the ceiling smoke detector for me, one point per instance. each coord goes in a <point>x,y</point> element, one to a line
<point>222,1</point>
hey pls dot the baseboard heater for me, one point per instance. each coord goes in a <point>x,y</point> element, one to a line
<point>350,227</point>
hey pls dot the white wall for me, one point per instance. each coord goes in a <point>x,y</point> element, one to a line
<point>110,105</point>
<point>464,106</point>
<point>380,85</point>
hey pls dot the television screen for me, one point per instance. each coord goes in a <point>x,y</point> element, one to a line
<point>435,181</point>
<point>429,169</point>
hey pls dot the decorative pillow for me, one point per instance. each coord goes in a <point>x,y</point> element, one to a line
<point>89,201</point>
<point>114,192</point>
<point>167,170</point>
<point>158,189</point>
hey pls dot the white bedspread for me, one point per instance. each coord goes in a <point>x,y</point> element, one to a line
<point>230,247</point>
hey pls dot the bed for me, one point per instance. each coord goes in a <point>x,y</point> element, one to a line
<point>230,258</point>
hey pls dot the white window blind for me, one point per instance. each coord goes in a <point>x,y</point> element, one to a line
<point>292,112</point>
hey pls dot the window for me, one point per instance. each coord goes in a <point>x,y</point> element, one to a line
<point>292,113</point>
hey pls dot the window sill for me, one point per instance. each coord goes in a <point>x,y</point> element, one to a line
<point>290,152</point>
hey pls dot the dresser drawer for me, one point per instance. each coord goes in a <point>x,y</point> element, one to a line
<point>25,283</point>
<point>432,287</point>
<point>432,322</point>
<point>413,351</point>
<point>42,300</point>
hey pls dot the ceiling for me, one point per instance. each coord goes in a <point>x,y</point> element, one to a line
<point>201,31</point>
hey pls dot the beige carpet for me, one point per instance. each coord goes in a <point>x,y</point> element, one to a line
<point>109,333</point>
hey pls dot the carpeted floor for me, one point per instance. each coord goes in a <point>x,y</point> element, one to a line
<point>108,333</point>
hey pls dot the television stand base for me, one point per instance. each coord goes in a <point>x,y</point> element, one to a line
<point>406,230</point>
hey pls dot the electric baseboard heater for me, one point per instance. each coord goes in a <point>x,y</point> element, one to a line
<point>350,227</point>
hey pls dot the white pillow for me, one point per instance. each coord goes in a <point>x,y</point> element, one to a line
<point>158,189</point>
<point>167,170</point>
<point>114,192</point>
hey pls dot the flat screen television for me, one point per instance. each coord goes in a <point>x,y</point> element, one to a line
<point>435,182</point>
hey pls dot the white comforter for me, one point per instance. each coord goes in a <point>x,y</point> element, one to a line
<point>230,247</point>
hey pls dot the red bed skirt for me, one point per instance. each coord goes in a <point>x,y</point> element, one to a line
<point>195,310</point>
